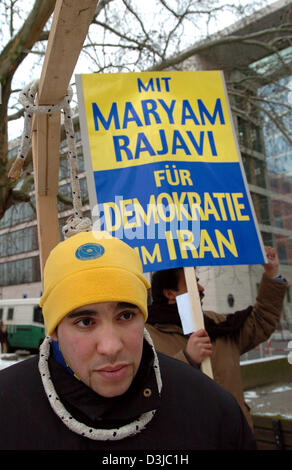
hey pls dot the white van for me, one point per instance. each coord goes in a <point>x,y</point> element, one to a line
<point>24,322</point>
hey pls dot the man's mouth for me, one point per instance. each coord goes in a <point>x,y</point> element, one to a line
<point>115,372</point>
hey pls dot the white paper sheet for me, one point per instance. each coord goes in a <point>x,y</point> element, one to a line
<point>185,313</point>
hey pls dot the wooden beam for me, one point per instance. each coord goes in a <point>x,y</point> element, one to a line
<point>70,25</point>
<point>45,157</point>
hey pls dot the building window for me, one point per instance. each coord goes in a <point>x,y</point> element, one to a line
<point>20,271</point>
<point>19,213</point>
<point>281,249</point>
<point>10,313</point>
<point>38,314</point>
<point>261,206</point>
<point>19,241</point>
<point>230,300</point>
<point>255,139</point>
<point>268,238</point>
<point>249,135</point>
<point>255,170</point>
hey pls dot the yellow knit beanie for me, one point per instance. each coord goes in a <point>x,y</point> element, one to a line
<point>91,267</point>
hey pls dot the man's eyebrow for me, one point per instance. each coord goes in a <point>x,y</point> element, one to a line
<point>81,313</point>
<point>89,312</point>
<point>125,305</point>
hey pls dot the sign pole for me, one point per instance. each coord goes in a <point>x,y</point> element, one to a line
<point>196,309</point>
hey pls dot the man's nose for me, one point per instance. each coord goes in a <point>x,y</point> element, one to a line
<point>108,341</point>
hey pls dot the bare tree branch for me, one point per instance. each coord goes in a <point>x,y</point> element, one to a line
<point>17,115</point>
<point>208,44</point>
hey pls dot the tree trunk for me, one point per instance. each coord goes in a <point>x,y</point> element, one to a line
<point>10,58</point>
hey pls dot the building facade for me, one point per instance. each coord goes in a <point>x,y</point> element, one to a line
<point>261,102</point>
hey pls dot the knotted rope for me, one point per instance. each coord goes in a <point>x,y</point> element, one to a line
<point>76,223</point>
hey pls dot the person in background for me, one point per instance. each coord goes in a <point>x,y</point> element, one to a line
<point>98,383</point>
<point>225,337</point>
<point>3,338</point>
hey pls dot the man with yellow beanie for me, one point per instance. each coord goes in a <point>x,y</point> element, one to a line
<point>98,382</point>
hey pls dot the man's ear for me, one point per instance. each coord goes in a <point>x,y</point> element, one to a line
<point>170,295</point>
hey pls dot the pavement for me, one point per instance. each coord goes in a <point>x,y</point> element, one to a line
<point>274,399</point>
<point>8,359</point>
<point>271,400</point>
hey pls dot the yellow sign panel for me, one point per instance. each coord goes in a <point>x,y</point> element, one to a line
<point>141,118</point>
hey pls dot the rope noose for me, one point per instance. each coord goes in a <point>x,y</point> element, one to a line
<point>76,223</point>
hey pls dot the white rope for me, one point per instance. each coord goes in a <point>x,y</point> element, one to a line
<point>80,428</point>
<point>76,223</point>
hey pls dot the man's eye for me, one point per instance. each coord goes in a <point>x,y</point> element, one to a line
<point>84,322</point>
<point>127,315</point>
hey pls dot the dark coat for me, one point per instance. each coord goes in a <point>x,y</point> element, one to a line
<point>194,413</point>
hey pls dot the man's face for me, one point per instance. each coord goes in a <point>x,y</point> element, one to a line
<point>102,343</point>
<point>182,286</point>
<point>171,294</point>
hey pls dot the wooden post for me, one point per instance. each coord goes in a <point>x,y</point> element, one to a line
<point>46,157</point>
<point>69,28</point>
<point>198,319</point>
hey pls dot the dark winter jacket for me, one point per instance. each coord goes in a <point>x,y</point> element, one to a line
<point>193,412</point>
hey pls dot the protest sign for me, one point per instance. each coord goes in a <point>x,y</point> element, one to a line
<point>164,170</point>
